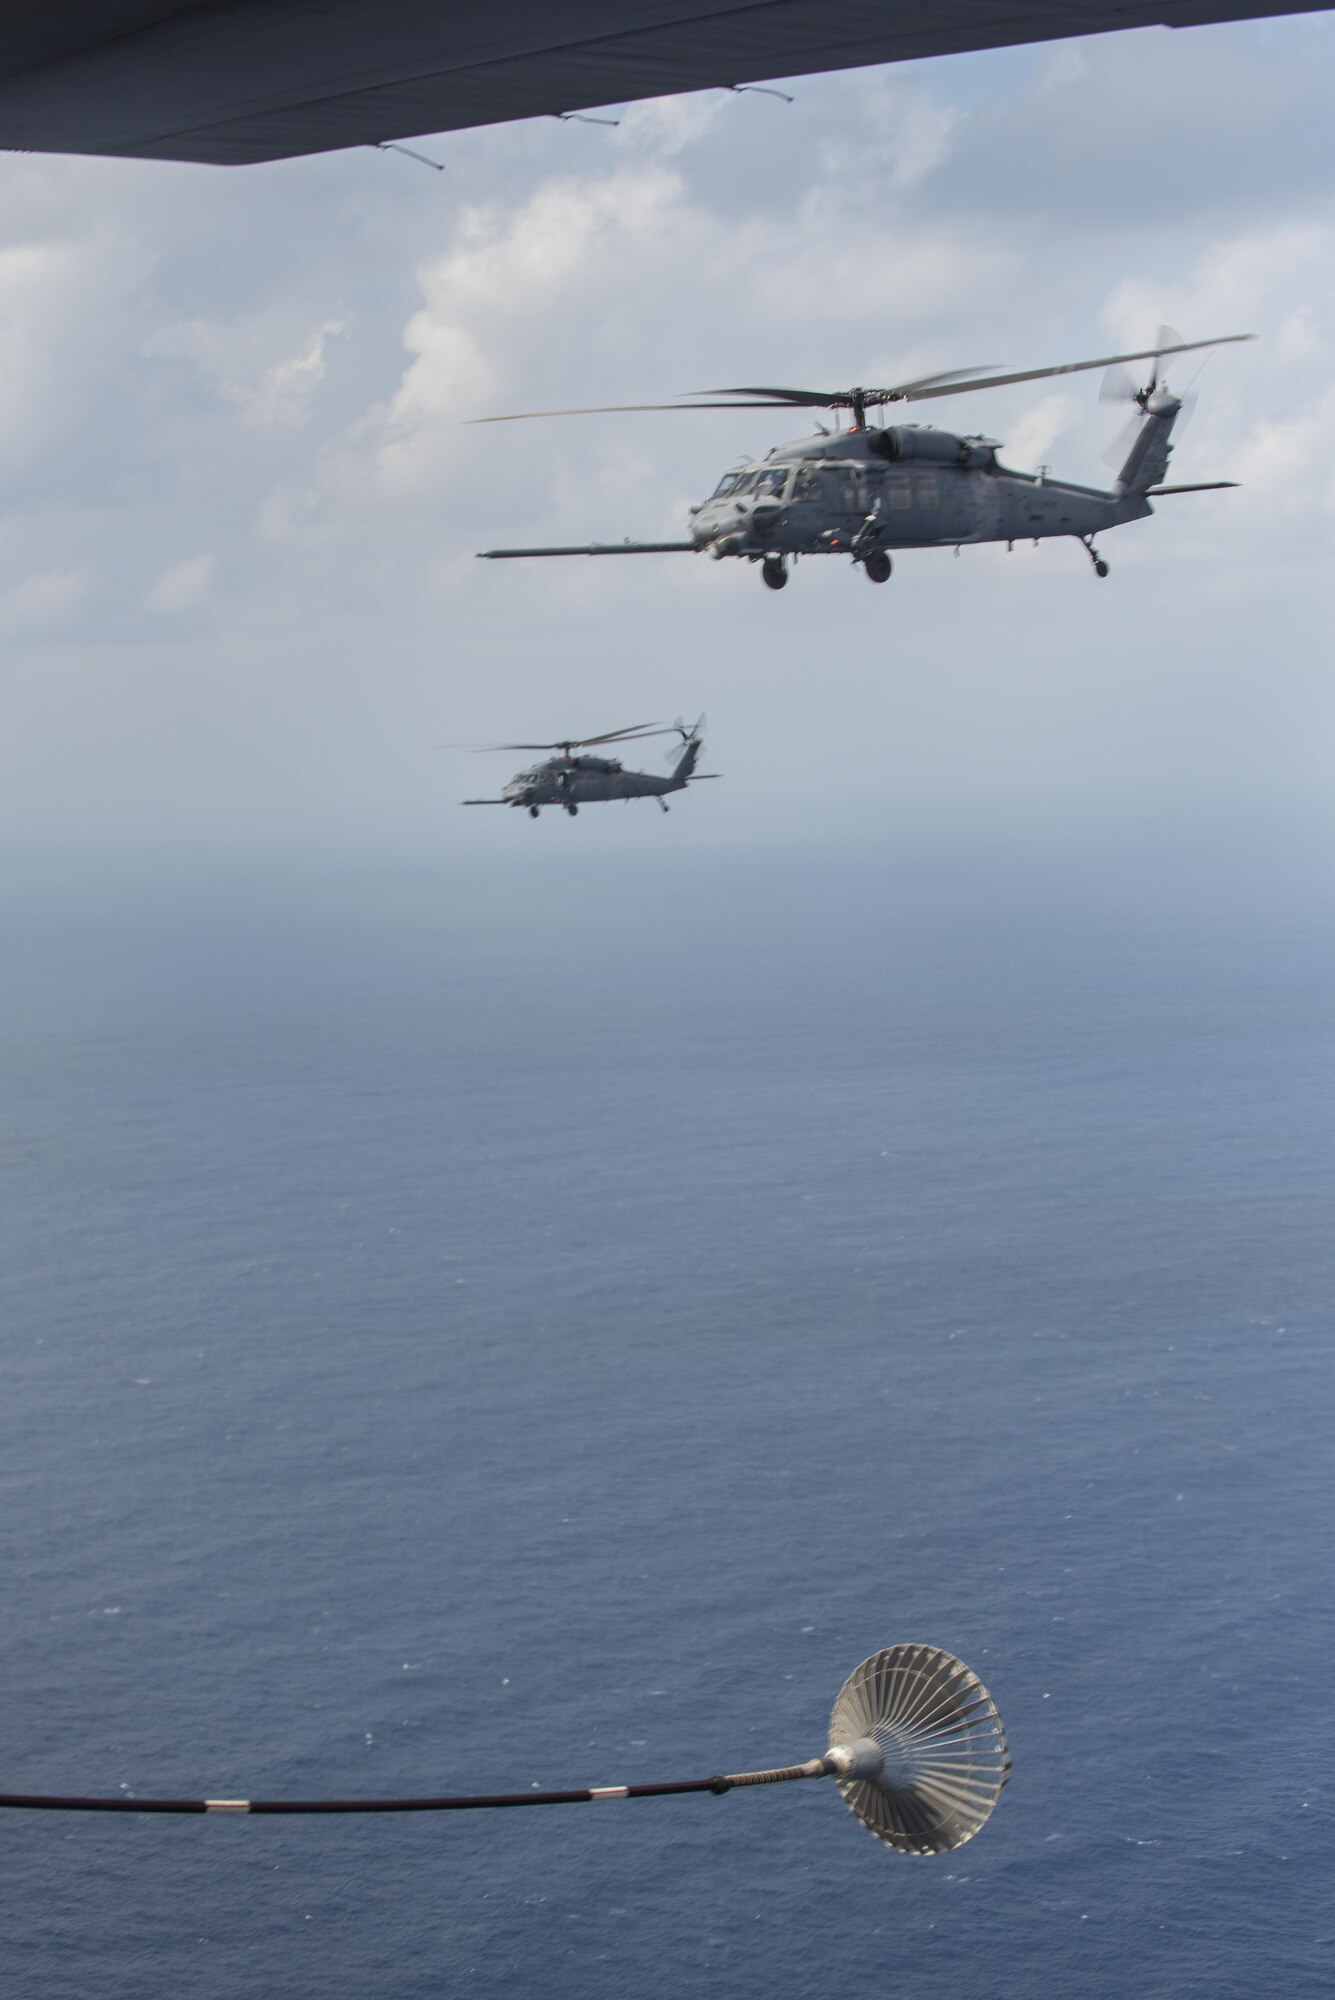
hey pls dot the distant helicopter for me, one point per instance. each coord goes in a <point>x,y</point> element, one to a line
<point>570,781</point>
<point>866,491</point>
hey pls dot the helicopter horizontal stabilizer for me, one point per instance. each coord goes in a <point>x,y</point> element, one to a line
<point>597,549</point>
<point>484,802</point>
<point>1205,486</point>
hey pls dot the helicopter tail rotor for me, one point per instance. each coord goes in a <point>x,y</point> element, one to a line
<point>1119,386</point>
<point>690,733</point>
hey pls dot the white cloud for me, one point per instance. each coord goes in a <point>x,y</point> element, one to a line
<point>500,286</point>
<point>1033,436</point>
<point>42,601</point>
<point>183,586</point>
<point>271,395</point>
<point>52,292</point>
<point>283,393</point>
<point>668,125</point>
<point>911,130</point>
<point>1267,411</point>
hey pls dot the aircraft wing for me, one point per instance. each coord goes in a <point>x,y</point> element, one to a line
<point>229,82</point>
<point>597,549</point>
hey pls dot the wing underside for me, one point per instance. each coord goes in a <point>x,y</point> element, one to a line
<point>232,82</point>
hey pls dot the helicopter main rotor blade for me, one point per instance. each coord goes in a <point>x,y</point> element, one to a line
<point>607,410</point>
<point>950,382</point>
<point>1041,374</point>
<point>801,399</point>
<point>635,729</point>
<point>823,399</point>
<point>629,735</point>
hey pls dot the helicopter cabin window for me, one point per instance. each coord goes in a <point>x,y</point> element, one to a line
<point>725,486</point>
<point>772,480</point>
<point>897,490</point>
<point>929,493</point>
<point>808,484</point>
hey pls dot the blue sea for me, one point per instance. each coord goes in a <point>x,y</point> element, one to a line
<point>545,1323</point>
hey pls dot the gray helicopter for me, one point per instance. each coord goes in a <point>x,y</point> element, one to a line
<point>571,781</point>
<point>867,490</point>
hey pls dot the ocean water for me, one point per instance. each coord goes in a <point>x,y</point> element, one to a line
<point>548,1327</point>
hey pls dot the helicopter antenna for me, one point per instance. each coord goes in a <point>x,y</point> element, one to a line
<point>916,1746</point>
<point>582,118</point>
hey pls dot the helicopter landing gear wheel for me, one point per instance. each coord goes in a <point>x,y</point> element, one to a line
<point>533,812</point>
<point>571,807</point>
<point>775,572</point>
<point>877,566</point>
<point>1100,566</point>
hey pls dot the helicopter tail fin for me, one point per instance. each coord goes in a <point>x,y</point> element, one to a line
<point>692,743</point>
<point>1147,461</point>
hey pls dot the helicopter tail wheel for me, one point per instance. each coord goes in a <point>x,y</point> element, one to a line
<point>571,807</point>
<point>1100,566</point>
<point>533,812</point>
<point>775,572</point>
<point>877,566</point>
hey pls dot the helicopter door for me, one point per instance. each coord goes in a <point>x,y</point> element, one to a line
<point>897,497</point>
<point>942,495</point>
<point>808,486</point>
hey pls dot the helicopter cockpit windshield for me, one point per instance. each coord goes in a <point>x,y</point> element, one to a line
<point>768,482</point>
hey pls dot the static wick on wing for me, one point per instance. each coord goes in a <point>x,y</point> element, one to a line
<point>394,146</point>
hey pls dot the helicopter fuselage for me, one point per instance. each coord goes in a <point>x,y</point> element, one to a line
<point>905,487</point>
<point>564,781</point>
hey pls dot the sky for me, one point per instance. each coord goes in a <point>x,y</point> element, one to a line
<point>239,602</point>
